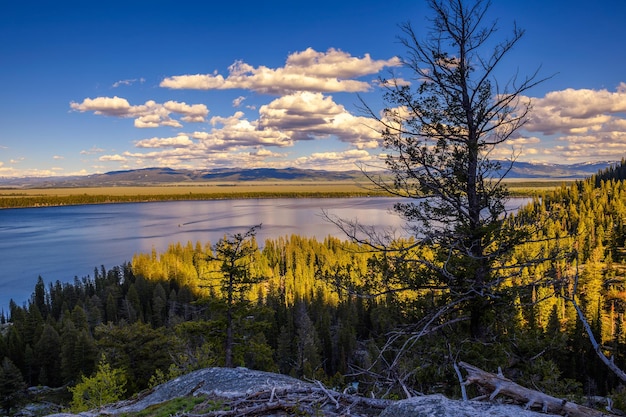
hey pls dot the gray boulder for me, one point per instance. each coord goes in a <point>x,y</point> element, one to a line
<point>218,382</point>
<point>440,406</point>
<point>238,383</point>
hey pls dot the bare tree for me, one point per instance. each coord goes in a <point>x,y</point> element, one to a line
<point>439,129</point>
<point>439,136</point>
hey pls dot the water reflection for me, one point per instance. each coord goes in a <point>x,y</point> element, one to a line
<point>59,243</point>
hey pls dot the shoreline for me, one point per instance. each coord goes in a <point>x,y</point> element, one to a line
<point>56,197</point>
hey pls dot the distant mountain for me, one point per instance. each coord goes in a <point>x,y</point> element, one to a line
<point>555,171</point>
<point>164,176</point>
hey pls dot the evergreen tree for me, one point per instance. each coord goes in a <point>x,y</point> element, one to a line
<point>236,255</point>
<point>47,354</point>
<point>12,385</point>
<point>307,343</point>
<point>159,304</point>
<point>138,349</point>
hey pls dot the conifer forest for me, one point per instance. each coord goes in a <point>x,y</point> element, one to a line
<point>298,306</point>
<point>538,295</point>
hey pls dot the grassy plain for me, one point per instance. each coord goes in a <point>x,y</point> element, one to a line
<point>217,188</point>
<point>37,197</point>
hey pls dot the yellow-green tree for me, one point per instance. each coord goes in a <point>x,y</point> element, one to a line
<point>106,386</point>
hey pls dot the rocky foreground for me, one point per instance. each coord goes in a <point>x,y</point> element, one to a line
<point>244,392</point>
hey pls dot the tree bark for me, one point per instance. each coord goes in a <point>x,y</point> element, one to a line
<point>498,384</point>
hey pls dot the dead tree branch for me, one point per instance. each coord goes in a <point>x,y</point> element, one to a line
<point>495,385</point>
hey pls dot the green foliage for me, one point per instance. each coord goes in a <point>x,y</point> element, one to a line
<point>43,200</point>
<point>157,318</point>
<point>137,349</point>
<point>12,385</point>
<point>438,136</point>
<point>545,376</point>
<point>106,386</point>
<point>180,406</point>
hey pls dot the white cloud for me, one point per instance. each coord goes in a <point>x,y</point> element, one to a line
<point>281,123</point>
<point>307,116</point>
<point>590,123</point>
<point>128,82</point>
<point>191,113</point>
<point>266,153</point>
<point>345,160</point>
<point>309,70</point>
<point>237,102</point>
<point>108,106</point>
<point>576,111</point>
<point>238,131</point>
<point>180,141</point>
<point>91,151</point>
<point>114,158</point>
<point>149,114</point>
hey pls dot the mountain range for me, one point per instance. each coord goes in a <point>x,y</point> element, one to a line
<point>164,176</point>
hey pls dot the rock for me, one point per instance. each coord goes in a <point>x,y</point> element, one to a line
<point>218,382</point>
<point>439,406</point>
<point>238,383</point>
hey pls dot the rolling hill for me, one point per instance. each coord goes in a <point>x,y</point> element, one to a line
<point>164,176</point>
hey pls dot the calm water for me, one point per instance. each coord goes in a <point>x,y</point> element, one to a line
<point>59,243</point>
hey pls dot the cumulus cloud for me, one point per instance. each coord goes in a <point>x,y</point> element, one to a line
<point>266,153</point>
<point>236,130</point>
<point>189,157</point>
<point>149,114</point>
<point>180,141</point>
<point>308,70</point>
<point>243,157</point>
<point>308,116</point>
<point>115,158</point>
<point>585,124</point>
<point>349,159</point>
<point>577,111</point>
<point>280,124</point>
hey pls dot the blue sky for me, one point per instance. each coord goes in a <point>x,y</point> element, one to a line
<point>90,87</point>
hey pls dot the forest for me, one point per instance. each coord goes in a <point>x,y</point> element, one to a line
<point>289,310</point>
<point>538,296</point>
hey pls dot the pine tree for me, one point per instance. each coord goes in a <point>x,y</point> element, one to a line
<point>236,255</point>
<point>12,385</point>
<point>48,355</point>
<point>307,343</point>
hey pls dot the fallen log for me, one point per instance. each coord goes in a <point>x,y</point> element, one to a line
<point>497,384</point>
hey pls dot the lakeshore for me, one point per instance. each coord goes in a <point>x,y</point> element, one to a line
<point>62,196</point>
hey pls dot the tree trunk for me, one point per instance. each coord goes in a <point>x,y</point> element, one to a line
<point>228,349</point>
<point>498,384</point>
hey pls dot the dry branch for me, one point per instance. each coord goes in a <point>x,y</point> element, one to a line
<point>309,400</point>
<point>497,384</point>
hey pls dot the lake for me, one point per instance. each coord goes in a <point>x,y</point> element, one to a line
<point>60,243</point>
